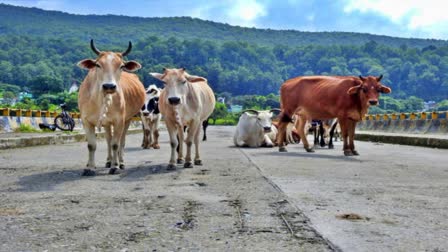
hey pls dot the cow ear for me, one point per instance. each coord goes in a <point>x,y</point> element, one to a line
<point>157,76</point>
<point>385,89</point>
<point>193,78</point>
<point>87,64</point>
<point>132,66</point>
<point>353,90</point>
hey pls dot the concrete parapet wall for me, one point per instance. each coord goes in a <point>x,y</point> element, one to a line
<point>413,126</point>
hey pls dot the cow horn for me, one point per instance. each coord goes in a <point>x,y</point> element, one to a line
<point>127,50</point>
<point>251,110</point>
<point>362,78</point>
<point>94,49</point>
<point>275,110</point>
<point>379,78</point>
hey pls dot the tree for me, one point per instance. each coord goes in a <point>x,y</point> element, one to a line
<point>219,112</point>
<point>8,97</point>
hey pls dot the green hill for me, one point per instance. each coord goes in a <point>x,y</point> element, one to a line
<point>118,29</point>
<point>39,51</point>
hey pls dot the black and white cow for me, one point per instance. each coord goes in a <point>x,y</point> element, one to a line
<point>151,116</point>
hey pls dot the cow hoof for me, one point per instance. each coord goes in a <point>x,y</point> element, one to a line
<point>108,164</point>
<point>156,146</point>
<point>171,167</point>
<point>282,149</point>
<point>348,153</point>
<point>113,171</point>
<point>355,153</point>
<point>309,149</point>
<point>330,146</point>
<point>180,161</point>
<point>88,172</point>
<point>198,162</point>
<point>122,166</point>
<point>188,165</point>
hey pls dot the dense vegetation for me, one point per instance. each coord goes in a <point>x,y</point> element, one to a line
<point>39,51</point>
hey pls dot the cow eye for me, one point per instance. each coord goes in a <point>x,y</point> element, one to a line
<point>97,65</point>
<point>184,82</point>
<point>364,89</point>
<point>122,67</point>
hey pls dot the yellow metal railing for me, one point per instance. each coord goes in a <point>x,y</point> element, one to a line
<point>411,116</point>
<point>40,113</point>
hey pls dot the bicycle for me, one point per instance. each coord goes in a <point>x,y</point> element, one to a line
<point>64,121</point>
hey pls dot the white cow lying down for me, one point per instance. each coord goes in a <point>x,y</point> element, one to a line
<point>254,129</point>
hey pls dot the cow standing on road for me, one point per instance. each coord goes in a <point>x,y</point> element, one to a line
<point>150,115</point>
<point>186,100</point>
<point>109,97</point>
<point>325,97</point>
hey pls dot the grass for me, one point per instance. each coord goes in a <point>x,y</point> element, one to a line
<point>25,128</point>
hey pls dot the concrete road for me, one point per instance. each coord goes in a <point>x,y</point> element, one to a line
<point>391,198</point>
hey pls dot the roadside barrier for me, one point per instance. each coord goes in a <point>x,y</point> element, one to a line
<point>11,119</point>
<point>415,122</point>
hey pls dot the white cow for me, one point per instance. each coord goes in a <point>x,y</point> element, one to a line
<point>150,115</point>
<point>186,100</point>
<point>255,129</point>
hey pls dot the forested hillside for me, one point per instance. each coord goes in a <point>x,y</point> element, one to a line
<point>39,50</point>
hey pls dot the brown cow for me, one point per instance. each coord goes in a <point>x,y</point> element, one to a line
<point>109,97</point>
<point>326,97</point>
<point>186,100</point>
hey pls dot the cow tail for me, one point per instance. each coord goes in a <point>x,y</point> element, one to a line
<point>107,102</point>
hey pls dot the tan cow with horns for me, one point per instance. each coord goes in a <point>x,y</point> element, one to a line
<point>109,97</point>
<point>186,100</point>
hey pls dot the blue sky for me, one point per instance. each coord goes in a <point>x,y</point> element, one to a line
<point>400,18</point>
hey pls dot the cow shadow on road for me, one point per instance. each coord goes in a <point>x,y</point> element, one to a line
<point>316,155</point>
<point>48,181</point>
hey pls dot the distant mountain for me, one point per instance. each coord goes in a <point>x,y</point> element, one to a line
<point>39,50</point>
<point>116,30</point>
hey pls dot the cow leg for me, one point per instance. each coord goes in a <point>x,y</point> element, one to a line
<point>123,143</point>
<point>204,127</point>
<point>180,153</point>
<point>321,134</point>
<point>145,143</point>
<point>115,142</point>
<point>330,144</point>
<point>172,131</point>
<point>145,132</point>
<point>192,132</point>
<point>301,131</point>
<point>351,137</point>
<point>344,123</point>
<point>197,158</point>
<point>91,146</point>
<point>155,131</point>
<point>108,135</point>
<point>150,133</point>
<point>282,135</point>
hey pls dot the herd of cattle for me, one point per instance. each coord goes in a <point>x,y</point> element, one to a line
<point>111,95</point>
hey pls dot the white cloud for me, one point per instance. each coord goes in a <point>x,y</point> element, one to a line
<point>245,12</point>
<point>415,14</point>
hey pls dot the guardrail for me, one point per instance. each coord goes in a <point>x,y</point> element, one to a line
<point>415,122</point>
<point>13,118</point>
<point>411,116</point>
<point>40,113</point>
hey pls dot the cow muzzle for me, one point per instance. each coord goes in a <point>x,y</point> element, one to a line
<point>109,87</point>
<point>267,129</point>
<point>373,102</point>
<point>174,100</point>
